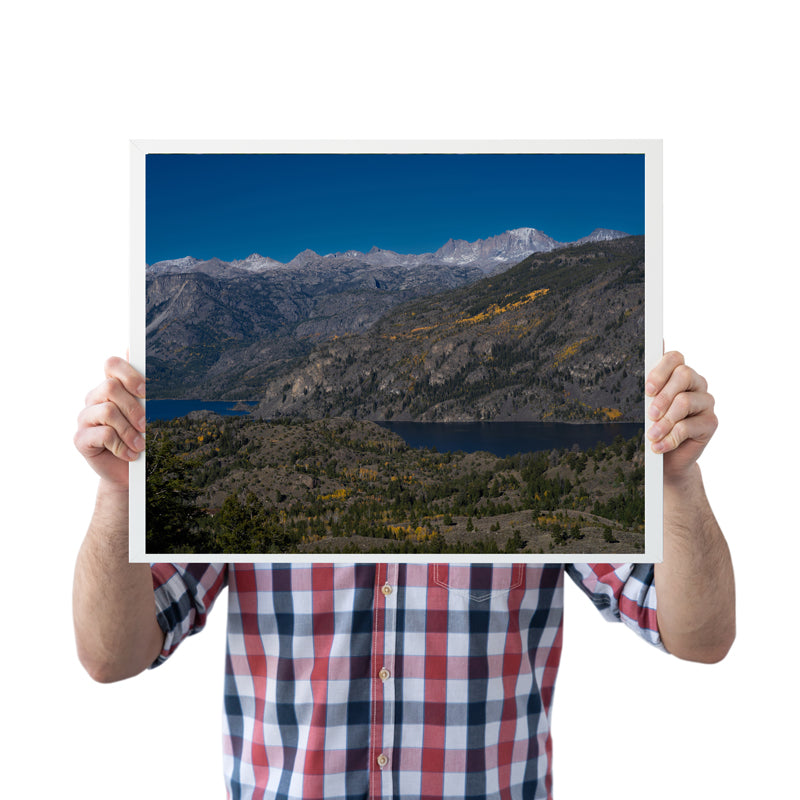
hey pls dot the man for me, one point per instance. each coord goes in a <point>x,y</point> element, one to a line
<point>393,680</point>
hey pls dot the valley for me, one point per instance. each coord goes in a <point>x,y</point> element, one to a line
<point>517,328</point>
<point>344,486</point>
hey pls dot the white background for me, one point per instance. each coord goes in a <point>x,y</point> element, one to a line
<point>714,80</point>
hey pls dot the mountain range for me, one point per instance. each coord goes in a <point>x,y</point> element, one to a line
<point>488,255</point>
<point>228,330</point>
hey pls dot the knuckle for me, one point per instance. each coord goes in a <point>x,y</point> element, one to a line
<point>664,399</point>
<point>677,434</point>
<point>111,365</point>
<point>107,437</point>
<point>683,373</point>
<point>681,406</point>
<point>111,389</point>
<point>105,412</point>
<point>112,442</point>
<point>674,358</point>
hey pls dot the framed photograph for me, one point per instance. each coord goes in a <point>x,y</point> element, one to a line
<point>396,351</point>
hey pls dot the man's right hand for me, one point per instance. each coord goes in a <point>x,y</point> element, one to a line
<point>110,427</point>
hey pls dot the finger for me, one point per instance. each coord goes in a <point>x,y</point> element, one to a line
<point>698,429</point>
<point>682,379</point>
<point>130,378</point>
<point>108,415</point>
<point>659,375</point>
<point>112,391</point>
<point>685,405</point>
<point>93,441</point>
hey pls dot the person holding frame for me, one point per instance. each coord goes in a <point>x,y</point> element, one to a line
<point>423,680</point>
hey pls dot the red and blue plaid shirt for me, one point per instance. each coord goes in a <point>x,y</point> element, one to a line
<point>401,681</point>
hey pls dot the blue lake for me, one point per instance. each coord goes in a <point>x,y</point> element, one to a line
<point>506,438</point>
<point>171,409</point>
<point>500,438</point>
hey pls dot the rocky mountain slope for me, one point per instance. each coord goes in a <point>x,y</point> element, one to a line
<point>559,336</point>
<point>213,337</point>
<point>222,330</point>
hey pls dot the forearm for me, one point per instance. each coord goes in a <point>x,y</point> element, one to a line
<point>694,584</point>
<point>114,611</point>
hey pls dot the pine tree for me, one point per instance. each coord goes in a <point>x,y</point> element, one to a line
<point>172,516</point>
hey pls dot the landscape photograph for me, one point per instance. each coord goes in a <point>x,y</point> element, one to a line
<point>391,355</point>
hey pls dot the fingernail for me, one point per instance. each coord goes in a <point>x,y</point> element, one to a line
<point>659,446</point>
<point>140,390</point>
<point>653,412</point>
<point>138,443</point>
<point>650,388</point>
<point>652,434</point>
<point>131,456</point>
<point>142,424</point>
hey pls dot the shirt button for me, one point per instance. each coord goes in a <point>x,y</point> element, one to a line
<point>386,589</point>
<point>382,760</point>
<point>384,674</point>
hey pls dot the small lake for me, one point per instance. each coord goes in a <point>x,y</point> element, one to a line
<point>500,438</point>
<point>171,409</point>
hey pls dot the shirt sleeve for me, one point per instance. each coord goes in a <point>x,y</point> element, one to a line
<point>184,595</point>
<point>622,593</point>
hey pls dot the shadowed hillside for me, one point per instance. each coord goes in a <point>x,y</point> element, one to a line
<point>558,337</point>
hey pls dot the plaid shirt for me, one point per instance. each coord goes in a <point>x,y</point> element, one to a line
<point>400,681</point>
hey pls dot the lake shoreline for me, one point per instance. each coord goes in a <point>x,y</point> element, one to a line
<point>229,408</point>
<point>501,438</point>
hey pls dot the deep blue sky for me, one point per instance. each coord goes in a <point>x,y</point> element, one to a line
<point>230,206</point>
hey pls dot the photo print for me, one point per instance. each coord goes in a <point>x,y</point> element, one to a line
<point>407,352</point>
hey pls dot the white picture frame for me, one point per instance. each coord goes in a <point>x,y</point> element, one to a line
<point>653,489</point>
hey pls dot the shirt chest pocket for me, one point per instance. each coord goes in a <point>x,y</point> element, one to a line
<point>479,583</point>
